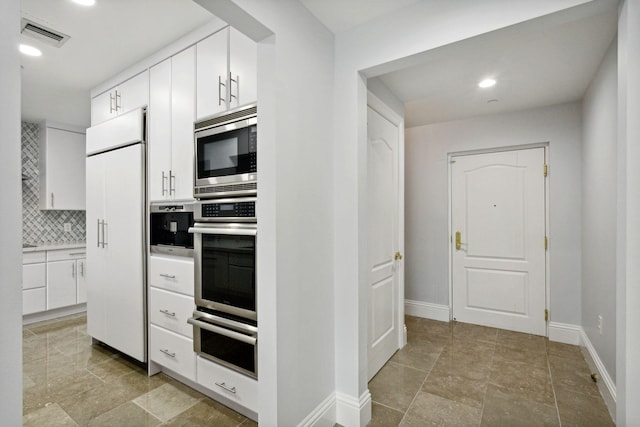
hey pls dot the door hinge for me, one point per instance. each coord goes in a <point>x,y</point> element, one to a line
<point>546,170</point>
<point>546,315</point>
<point>546,243</point>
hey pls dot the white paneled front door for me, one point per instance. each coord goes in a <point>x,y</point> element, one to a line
<point>498,239</point>
<point>384,227</point>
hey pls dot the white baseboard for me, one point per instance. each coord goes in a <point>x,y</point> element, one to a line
<point>565,333</point>
<point>609,391</point>
<point>324,415</point>
<point>53,314</point>
<point>352,412</point>
<point>427,310</point>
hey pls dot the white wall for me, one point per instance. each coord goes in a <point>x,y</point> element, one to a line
<point>628,236</point>
<point>10,212</point>
<point>427,197</point>
<point>295,212</point>
<point>599,199</point>
<point>394,39</point>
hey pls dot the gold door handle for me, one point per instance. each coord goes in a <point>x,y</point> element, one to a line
<point>458,241</point>
<point>397,256</point>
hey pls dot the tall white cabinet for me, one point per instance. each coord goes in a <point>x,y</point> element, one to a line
<point>171,116</point>
<point>226,72</point>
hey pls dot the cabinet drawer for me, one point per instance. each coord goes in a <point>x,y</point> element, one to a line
<point>34,257</point>
<point>172,274</point>
<point>172,351</point>
<point>228,383</point>
<point>33,300</point>
<point>171,311</point>
<point>64,254</point>
<point>34,276</point>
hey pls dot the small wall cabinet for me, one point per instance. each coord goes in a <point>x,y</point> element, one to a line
<point>129,95</point>
<point>62,167</point>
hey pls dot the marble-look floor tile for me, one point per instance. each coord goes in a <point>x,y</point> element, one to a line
<point>396,385</point>
<point>418,355</point>
<point>506,409</point>
<point>58,389</point>
<point>514,354</point>
<point>462,364</point>
<point>520,341</point>
<point>572,374</point>
<point>430,410</point>
<point>524,380</point>
<point>207,412</point>
<point>113,368</point>
<point>456,387</point>
<point>92,403</point>
<point>577,409</point>
<point>382,416</point>
<point>566,351</point>
<point>165,402</point>
<point>471,332</point>
<point>51,415</point>
<point>127,414</point>
<point>428,327</point>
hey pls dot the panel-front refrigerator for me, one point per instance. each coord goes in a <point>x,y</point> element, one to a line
<point>116,211</point>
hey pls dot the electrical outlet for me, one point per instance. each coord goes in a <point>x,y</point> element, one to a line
<point>67,227</point>
<point>600,323</point>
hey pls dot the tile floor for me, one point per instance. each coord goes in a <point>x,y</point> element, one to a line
<point>458,374</point>
<point>448,374</point>
<point>69,382</point>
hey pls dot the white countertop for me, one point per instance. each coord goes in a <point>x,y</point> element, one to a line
<point>53,246</point>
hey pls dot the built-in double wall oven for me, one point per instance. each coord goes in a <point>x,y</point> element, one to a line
<point>225,235</point>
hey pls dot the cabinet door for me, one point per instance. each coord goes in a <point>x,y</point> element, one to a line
<point>159,131</point>
<point>61,283</point>
<point>133,93</point>
<point>62,168</point>
<point>243,61</point>
<point>102,107</point>
<point>182,118</point>
<point>34,300</point>
<point>81,281</point>
<point>96,282</point>
<point>34,276</point>
<point>211,69</point>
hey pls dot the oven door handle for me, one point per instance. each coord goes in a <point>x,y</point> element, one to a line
<point>227,231</point>
<point>222,331</point>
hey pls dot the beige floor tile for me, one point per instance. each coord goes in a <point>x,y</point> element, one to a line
<point>577,409</point>
<point>559,349</point>
<point>506,409</point>
<point>59,388</point>
<point>462,364</point>
<point>524,380</point>
<point>207,412</point>
<point>95,402</point>
<point>513,354</point>
<point>572,374</point>
<point>165,402</point>
<point>474,332</point>
<point>418,355</point>
<point>127,414</point>
<point>428,327</point>
<point>113,368</point>
<point>381,416</point>
<point>51,415</point>
<point>249,423</point>
<point>396,385</point>
<point>525,342</point>
<point>457,388</point>
<point>428,409</point>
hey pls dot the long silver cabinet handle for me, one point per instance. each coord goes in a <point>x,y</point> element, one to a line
<point>222,331</point>
<point>220,98</point>
<point>82,269</point>
<point>168,353</point>
<point>105,230</point>
<point>118,101</point>
<point>98,233</point>
<point>52,200</point>
<point>168,313</point>
<point>172,183</point>
<point>237,82</point>
<point>77,253</point>
<point>73,270</point>
<point>164,188</point>
<point>110,102</point>
<point>226,387</point>
<point>168,276</point>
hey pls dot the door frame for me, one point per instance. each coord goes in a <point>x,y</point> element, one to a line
<point>547,274</point>
<point>384,110</point>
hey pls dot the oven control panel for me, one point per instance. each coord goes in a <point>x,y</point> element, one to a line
<point>241,209</point>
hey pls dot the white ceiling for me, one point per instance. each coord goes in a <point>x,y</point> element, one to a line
<point>533,68</point>
<point>105,39</point>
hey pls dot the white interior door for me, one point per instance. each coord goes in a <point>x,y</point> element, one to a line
<point>498,218</point>
<point>383,239</point>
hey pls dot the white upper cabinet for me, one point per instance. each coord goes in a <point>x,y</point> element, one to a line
<point>226,72</point>
<point>127,96</point>
<point>62,167</point>
<point>171,117</point>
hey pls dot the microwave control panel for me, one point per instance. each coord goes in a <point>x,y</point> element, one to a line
<point>253,148</point>
<point>231,209</point>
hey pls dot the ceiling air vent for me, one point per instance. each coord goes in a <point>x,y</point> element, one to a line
<point>45,34</point>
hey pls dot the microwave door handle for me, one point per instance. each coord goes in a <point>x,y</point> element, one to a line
<point>226,231</point>
<point>222,331</point>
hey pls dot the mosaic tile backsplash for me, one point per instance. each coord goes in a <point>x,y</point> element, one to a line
<point>43,227</point>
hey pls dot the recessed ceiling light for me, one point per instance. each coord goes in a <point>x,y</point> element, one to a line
<point>30,50</point>
<point>486,83</point>
<point>85,2</point>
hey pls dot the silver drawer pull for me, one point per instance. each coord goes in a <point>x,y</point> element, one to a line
<point>226,387</point>
<point>168,313</point>
<point>168,276</point>
<point>168,353</point>
<point>77,253</point>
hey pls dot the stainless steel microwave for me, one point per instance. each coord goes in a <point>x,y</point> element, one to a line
<point>226,155</point>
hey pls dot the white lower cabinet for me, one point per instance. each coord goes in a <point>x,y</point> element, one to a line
<point>230,384</point>
<point>172,273</point>
<point>34,300</point>
<point>172,351</point>
<point>171,311</point>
